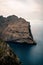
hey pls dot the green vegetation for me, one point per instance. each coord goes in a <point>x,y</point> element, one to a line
<point>1,49</point>
<point>1,52</point>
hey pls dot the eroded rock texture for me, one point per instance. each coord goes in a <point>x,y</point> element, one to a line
<point>16,29</point>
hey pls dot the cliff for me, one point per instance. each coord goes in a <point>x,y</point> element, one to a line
<point>7,56</point>
<point>15,29</point>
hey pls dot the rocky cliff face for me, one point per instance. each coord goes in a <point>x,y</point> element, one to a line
<point>7,56</point>
<point>16,29</point>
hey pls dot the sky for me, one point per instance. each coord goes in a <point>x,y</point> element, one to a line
<point>31,10</point>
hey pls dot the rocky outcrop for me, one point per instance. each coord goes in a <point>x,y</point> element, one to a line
<point>7,56</point>
<point>17,30</point>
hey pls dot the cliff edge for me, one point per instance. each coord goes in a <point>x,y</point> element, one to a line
<point>15,29</point>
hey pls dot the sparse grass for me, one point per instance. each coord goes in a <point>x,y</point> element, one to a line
<point>1,52</point>
<point>1,49</point>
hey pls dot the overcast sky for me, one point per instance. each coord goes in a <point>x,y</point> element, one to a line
<point>31,10</point>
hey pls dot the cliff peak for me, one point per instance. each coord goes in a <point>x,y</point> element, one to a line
<point>17,30</point>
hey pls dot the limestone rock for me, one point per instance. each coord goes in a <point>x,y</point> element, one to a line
<point>17,30</point>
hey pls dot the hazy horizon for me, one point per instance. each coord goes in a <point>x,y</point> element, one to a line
<point>31,10</point>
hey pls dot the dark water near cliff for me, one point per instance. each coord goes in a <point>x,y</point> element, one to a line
<point>30,54</point>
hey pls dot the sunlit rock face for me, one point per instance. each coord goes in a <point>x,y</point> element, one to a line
<point>17,30</point>
<point>7,56</point>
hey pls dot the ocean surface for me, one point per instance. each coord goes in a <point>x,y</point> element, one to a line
<point>31,54</point>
